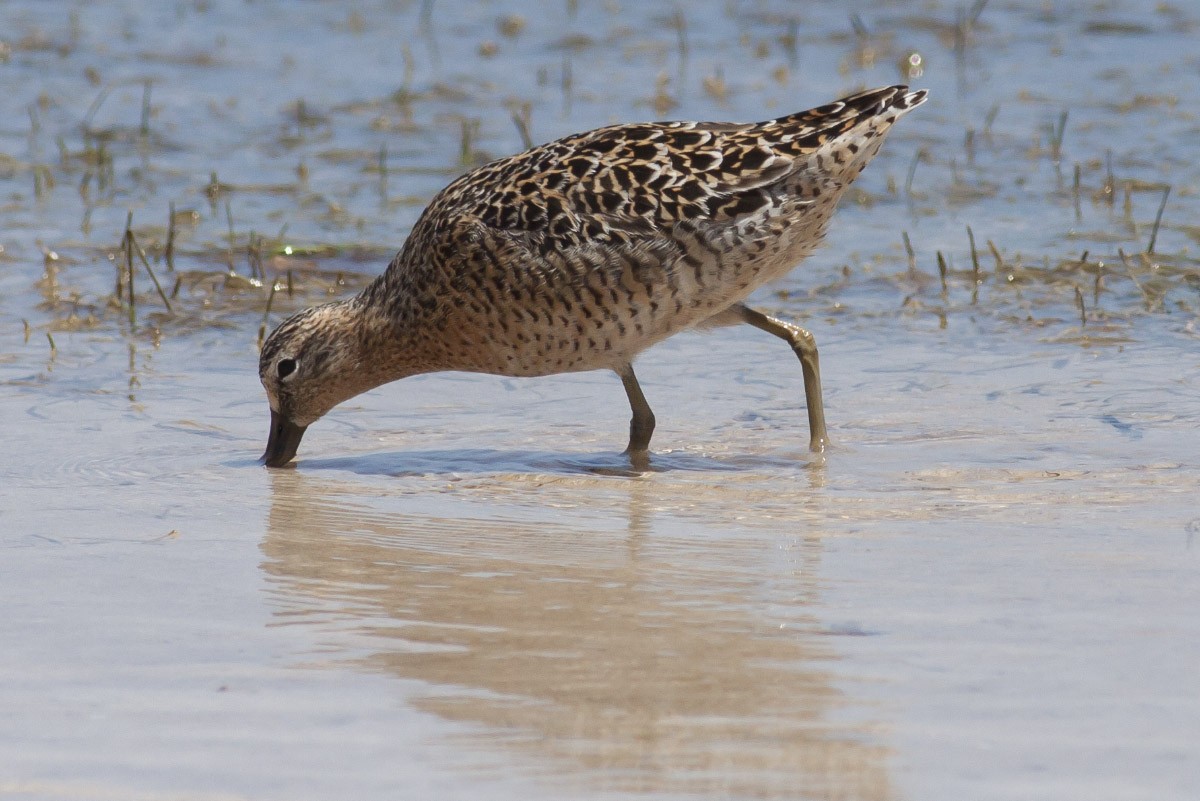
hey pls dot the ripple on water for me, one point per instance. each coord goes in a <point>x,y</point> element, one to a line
<point>119,451</point>
<point>484,461</point>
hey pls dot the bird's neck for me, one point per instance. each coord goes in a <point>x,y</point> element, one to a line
<point>385,344</point>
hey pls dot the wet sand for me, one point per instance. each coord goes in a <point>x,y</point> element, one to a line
<point>986,589</point>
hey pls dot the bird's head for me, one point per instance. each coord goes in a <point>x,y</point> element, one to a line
<point>309,364</point>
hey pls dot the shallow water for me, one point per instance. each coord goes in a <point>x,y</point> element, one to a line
<point>987,588</point>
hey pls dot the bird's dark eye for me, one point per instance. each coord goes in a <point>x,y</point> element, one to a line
<point>286,367</point>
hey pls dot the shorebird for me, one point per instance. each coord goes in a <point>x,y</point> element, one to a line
<point>581,253</point>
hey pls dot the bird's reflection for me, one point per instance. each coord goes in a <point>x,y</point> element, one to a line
<point>659,655</point>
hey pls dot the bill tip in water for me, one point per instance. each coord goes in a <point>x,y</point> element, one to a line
<point>283,441</point>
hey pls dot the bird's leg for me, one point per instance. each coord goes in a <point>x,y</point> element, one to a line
<point>641,425</point>
<point>805,346</point>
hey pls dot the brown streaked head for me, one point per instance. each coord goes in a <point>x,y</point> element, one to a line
<point>309,364</point>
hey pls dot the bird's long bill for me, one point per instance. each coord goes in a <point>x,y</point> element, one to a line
<point>283,440</point>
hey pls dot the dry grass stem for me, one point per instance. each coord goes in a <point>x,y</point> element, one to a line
<point>1158,220</point>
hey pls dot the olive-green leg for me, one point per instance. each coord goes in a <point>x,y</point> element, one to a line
<point>641,425</point>
<point>805,347</point>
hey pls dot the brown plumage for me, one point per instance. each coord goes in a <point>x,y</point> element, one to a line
<point>583,252</point>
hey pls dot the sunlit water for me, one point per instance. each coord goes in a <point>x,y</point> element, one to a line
<point>987,589</point>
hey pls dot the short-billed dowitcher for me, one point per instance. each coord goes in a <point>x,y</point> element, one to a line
<point>581,253</point>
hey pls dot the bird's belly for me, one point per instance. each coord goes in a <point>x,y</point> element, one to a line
<point>533,341</point>
<point>602,320</point>
<point>571,340</point>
